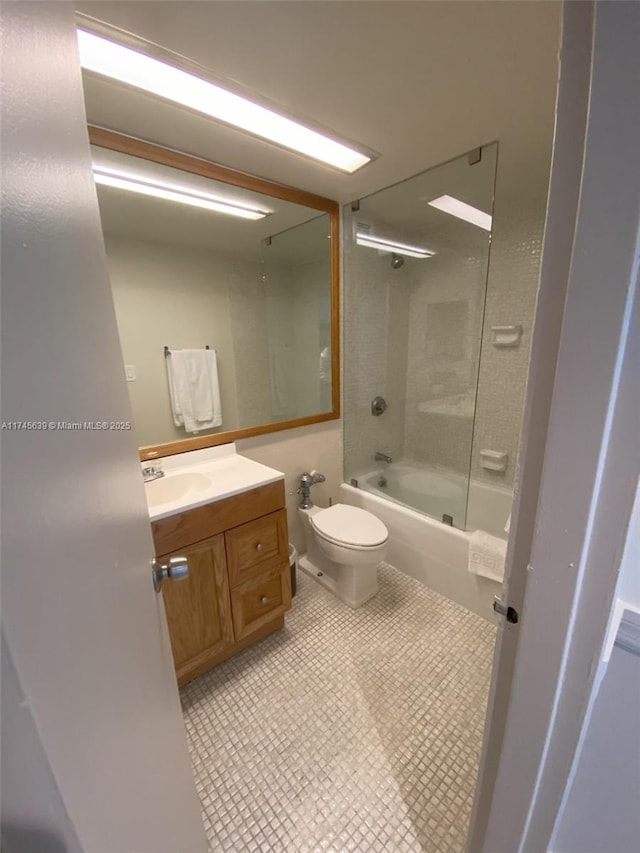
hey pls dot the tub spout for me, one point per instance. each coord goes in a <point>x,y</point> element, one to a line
<point>382,457</point>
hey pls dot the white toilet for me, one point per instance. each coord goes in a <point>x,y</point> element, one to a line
<point>344,546</point>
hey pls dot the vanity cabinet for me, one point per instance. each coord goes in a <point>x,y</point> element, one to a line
<point>238,588</point>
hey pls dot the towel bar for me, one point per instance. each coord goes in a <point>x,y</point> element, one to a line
<point>167,351</point>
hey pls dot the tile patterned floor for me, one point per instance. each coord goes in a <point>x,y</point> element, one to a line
<point>348,730</point>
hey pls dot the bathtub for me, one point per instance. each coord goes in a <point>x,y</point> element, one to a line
<point>436,493</point>
<point>430,551</point>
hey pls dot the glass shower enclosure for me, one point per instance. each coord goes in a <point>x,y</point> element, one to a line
<point>416,262</point>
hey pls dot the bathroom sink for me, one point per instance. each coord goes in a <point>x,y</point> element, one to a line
<point>201,477</point>
<point>174,487</point>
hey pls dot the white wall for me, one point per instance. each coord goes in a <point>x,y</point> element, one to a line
<point>317,447</point>
<point>600,811</point>
<point>34,817</point>
<point>265,321</point>
<point>170,296</point>
<point>629,583</point>
<point>83,626</point>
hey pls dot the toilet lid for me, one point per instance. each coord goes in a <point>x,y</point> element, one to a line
<point>351,525</point>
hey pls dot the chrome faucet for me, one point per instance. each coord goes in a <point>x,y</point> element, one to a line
<point>152,472</point>
<point>305,482</point>
<point>382,457</point>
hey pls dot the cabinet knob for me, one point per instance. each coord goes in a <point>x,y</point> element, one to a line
<point>259,546</point>
<point>264,600</point>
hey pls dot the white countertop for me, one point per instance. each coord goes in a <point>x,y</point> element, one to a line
<point>220,472</point>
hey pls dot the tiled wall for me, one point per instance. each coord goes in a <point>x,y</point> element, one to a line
<point>446,303</point>
<point>388,350</point>
<point>376,323</point>
<point>512,288</point>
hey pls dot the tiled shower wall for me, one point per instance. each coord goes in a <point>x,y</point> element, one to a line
<point>446,304</point>
<point>512,289</point>
<point>376,328</point>
<point>385,349</point>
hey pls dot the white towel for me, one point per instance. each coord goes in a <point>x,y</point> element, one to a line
<point>194,389</point>
<point>487,555</point>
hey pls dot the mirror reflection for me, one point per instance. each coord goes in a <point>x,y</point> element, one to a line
<point>223,301</point>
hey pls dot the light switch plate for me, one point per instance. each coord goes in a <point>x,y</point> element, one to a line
<point>130,372</point>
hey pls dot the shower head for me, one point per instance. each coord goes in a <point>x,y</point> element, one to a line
<point>396,261</point>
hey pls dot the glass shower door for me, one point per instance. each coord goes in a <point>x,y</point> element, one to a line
<point>416,260</point>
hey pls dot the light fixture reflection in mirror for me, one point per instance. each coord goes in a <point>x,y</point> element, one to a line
<point>260,293</point>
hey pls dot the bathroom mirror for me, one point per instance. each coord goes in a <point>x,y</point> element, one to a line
<point>226,295</point>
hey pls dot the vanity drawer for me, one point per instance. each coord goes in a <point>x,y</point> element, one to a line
<point>186,528</point>
<point>254,547</point>
<point>260,600</point>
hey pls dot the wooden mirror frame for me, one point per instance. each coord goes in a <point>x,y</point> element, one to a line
<point>168,157</point>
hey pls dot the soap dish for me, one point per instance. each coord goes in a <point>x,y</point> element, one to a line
<point>493,460</point>
<point>506,336</point>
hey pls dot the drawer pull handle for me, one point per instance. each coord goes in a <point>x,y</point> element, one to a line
<point>264,600</point>
<point>259,546</point>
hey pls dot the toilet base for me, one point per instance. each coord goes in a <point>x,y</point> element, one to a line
<point>352,585</point>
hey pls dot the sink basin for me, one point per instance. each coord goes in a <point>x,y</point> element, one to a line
<point>174,487</point>
<point>200,477</point>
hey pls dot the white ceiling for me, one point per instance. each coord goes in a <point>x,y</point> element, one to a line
<point>419,82</point>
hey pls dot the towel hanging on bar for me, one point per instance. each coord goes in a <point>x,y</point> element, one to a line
<point>194,390</point>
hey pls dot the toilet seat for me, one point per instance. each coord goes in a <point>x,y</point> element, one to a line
<point>349,526</point>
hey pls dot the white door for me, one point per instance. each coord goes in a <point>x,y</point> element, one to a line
<point>579,460</point>
<point>83,626</point>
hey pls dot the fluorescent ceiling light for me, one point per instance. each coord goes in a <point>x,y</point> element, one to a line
<point>171,192</point>
<point>363,239</point>
<point>462,210</point>
<point>129,66</point>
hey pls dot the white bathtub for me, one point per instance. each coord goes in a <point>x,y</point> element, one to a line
<point>430,551</point>
<point>436,493</point>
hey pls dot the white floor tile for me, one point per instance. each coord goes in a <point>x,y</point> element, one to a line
<point>347,730</point>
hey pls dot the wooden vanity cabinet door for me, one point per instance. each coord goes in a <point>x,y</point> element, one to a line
<point>199,610</point>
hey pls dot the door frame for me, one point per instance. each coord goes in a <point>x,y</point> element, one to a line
<point>576,479</point>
